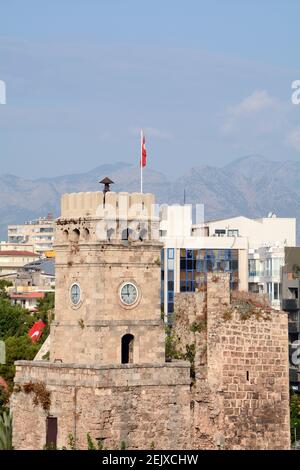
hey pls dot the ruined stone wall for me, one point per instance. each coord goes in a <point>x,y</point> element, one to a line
<point>240,394</point>
<point>143,406</point>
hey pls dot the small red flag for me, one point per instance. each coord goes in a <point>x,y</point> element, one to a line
<point>143,151</point>
<point>36,331</point>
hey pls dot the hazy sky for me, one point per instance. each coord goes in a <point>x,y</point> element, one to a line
<point>209,81</point>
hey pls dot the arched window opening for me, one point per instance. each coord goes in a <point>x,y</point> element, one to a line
<point>86,234</point>
<point>127,349</point>
<point>143,234</point>
<point>125,234</point>
<point>110,234</point>
<point>75,235</point>
<point>65,235</point>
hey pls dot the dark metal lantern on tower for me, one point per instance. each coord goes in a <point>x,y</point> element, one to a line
<point>107,182</point>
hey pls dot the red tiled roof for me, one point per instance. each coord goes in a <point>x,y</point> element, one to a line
<point>17,253</point>
<point>28,295</point>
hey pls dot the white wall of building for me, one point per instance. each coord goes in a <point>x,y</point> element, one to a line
<point>266,231</point>
<point>175,221</point>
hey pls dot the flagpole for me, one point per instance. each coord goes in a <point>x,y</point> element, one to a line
<point>141,161</point>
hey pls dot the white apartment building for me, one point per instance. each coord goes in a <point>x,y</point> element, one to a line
<point>264,272</point>
<point>5,246</point>
<point>12,261</point>
<point>38,233</point>
<point>265,231</point>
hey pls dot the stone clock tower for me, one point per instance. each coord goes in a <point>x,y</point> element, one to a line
<point>107,374</point>
<point>107,281</point>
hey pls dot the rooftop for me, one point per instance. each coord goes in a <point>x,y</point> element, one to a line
<point>17,253</point>
<point>28,295</point>
<point>45,266</point>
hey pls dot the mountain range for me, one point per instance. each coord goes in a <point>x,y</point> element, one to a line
<point>252,186</point>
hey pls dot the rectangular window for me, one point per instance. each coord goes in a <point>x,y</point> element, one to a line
<point>276,291</point>
<point>252,267</point>
<point>268,267</point>
<point>220,232</point>
<point>170,277</point>
<point>51,432</point>
<point>293,293</point>
<point>253,287</point>
<point>277,263</point>
<point>233,233</point>
<point>195,264</point>
<point>269,290</point>
<point>182,264</point>
<point>189,264</point>
<point>171,264</point>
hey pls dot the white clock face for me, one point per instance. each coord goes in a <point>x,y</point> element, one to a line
<point>128,293</point>
<point>75,294</point>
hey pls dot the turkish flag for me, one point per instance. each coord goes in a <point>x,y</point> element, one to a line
<point>143,151</point>
<point>36,331</point>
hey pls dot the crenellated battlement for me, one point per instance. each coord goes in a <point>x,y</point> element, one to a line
<point>93,216</point>
<point>113,205</point>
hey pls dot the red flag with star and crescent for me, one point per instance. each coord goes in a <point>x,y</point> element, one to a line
<point>143,151</point>
<point>36,331</point>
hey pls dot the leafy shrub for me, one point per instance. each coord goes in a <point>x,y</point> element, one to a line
<point>6,431</point>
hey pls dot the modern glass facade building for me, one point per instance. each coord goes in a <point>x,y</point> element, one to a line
<point>189,268</point>
<point>194,264</point>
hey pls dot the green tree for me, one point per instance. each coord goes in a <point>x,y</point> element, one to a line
<point>5,431</point>
<point>8,373</point>
<point>295,416</point>
<point>20,347</point>
<point>3,285</point>
<point>15,323</point>
<point>45,307</point>
<point>17,348</point>
<point>14,320</point>
<point>4,396</point>
<point>45,312</point>
<point>171,344</point>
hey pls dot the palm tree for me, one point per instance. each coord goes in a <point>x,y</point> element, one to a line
<point>6,431</point>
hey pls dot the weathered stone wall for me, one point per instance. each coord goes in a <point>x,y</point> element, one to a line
<point>142,405</point>
<point>240,395</point>
<point>100,342</point>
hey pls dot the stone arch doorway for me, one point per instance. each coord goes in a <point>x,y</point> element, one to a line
<point>127,349</point>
